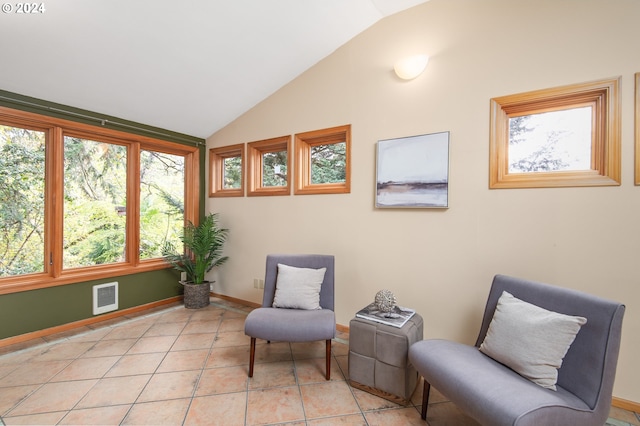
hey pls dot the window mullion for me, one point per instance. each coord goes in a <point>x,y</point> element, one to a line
<point>54,205</point>
<point>133,204</point>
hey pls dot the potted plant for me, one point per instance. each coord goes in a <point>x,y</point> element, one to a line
<point>202,252</point>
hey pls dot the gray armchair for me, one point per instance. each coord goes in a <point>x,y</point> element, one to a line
<point>294,325</point>
<point>495,395</point>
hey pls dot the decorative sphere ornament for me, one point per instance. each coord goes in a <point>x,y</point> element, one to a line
<point>385,301</point>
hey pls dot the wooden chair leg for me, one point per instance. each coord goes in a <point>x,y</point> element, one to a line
<point>425,399</point>
<point>252,355</point>
<point>328,359</point>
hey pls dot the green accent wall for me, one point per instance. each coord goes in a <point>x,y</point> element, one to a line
<point>34,310</point>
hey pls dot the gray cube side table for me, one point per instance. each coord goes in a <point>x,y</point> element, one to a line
<point>378,358</point>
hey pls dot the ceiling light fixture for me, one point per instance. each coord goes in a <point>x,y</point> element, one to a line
<point>410,67</point>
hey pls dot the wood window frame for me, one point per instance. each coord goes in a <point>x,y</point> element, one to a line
<point>304,142</point>
<point>602,95</point>
<point>216,170</point>
<point>255,156</point>
<point>637,127</point>
<point>56,128</point>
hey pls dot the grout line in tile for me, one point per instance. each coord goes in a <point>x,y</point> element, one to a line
<point>125,320</point>
<point>84,333</point>
<point>229,308</point>
<point>340,340</point>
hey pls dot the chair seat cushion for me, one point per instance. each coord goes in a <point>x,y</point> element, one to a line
<point>291,325</point>
<point>480,385</point>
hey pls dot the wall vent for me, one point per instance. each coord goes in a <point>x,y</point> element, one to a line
<point>105,298</point>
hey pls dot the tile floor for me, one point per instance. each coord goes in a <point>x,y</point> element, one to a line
<point>189,367</point>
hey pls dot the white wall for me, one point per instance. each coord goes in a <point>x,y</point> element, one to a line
<point>441,262</point>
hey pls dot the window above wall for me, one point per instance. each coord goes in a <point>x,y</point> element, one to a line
<point>566,136</point>
<point>323,161</point>
<point>226,171</point>
<point>269,166</point>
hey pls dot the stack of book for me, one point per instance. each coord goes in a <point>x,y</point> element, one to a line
<point>396,318</point>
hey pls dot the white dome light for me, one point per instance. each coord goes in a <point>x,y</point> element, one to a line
<point>411,67</point>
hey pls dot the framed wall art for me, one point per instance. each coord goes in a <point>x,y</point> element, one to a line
<point>413,172</point>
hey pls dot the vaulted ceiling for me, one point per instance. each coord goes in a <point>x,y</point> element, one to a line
<point>187,66</point>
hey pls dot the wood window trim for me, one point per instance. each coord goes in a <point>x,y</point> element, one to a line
<point>637,127</point>
<point>216,170</point>
<point>56,129</point>
<point>602,95</point>
<point>303,144</point>
<point>255,156</point>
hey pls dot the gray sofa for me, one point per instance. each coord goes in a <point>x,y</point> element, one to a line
<point>495,395</point>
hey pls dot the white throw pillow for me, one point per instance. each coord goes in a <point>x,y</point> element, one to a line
<point>530,340</point>
<point>298,288</point>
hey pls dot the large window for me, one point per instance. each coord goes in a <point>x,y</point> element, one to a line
<point>81,202</point>
<point>567,136</point>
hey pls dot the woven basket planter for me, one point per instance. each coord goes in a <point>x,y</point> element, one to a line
<point>196,296</point>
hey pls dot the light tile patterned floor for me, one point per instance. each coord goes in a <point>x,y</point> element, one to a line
<point>177,366</point>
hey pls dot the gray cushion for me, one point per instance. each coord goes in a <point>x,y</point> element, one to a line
<point>298,288</point>
<point>291,325</point>
<point>530,340</point>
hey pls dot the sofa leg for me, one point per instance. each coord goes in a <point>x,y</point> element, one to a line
<point>252,355</point>
<point>425,399</point>
<point>328,359</point>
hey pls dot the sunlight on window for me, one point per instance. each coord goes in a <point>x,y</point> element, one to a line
<point>551,141</point>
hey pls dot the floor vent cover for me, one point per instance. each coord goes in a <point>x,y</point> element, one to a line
<point>105,298</point>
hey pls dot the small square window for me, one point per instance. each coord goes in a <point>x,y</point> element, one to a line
<point>323,161</point>
<point>567,136</point>
<point>268,171</point>
<point>226,172</point>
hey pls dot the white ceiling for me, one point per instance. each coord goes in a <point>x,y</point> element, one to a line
<point>188,66</point>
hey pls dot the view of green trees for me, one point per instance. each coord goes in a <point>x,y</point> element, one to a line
<point>95,182</point>
<point>161,202</point>
<point>274,168</point>
<point>328,163</point>
<point>95,202</point>
<point>232,169</point>
<point>22,177</point>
